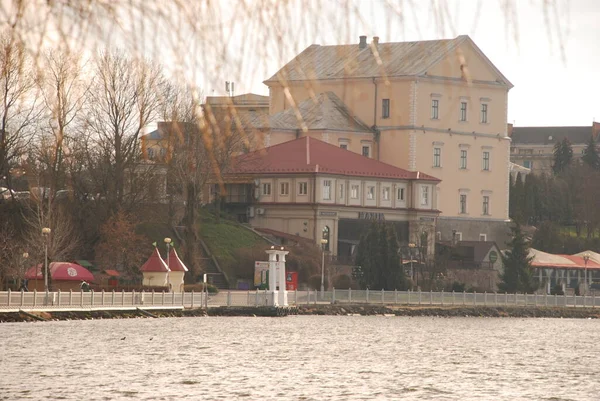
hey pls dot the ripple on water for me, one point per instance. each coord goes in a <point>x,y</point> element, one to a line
<point>301,358</point>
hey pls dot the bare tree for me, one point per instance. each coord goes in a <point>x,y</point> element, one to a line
<point>124,99</point>
<point>18,111</point>
<point>63,93</point>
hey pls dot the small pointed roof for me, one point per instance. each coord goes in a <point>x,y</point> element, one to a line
<point>175,264</point>
<point>155,263</point>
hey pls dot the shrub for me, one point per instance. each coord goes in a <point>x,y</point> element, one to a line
<point>557,290</point>
<point>342,281</point>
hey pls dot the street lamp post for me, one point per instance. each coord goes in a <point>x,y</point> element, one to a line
<point>168,244</point>
<point>411,246</point>
<point>22,275</point>
<point>46,233</point>
<point>323,245</point>
<point>586,257</point>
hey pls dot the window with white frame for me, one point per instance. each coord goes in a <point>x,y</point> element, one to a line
<point>354,191</point>
<point>342,194</point>
<point>484,113</point>
<point>284,189</point>
<point>483,237</point>
<point>463,111</point>
<point>463,204</point>
<point>302,188</point>
<point>371,192</point>
<point>366,150</point>
<point>326,189</point>
<point>486,205</point>
<point>400,194</point>
<point>424,195</point>
<point>385,193</point>
<point>435,107</point>
<point>437,157</point>
<point>344,145</point>
<point>485,161</point>
<point>463,159</point>
<point>266,188</point>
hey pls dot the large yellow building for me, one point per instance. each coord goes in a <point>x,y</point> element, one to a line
<point>439,107</point>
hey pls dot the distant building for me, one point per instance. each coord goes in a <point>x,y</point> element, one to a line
<point>311,189</point>
<point>533,147</point>
<point>435,106</point>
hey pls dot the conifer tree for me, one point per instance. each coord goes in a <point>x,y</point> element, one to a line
<point>563,156</point>
<point>518,273</point>
<point>590,154</point>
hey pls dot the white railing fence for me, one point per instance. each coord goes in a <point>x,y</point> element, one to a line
<point>107,300</point>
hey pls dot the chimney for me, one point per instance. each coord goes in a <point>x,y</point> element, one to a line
<point>363,42</point>
<point>509,129</point>
<point>376,40</point>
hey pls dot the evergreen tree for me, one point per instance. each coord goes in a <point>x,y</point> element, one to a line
<point>563,156</point>
<point>518,274</point>
<point>590,154</point>
<point>519,200</point>
<point>377,255</point>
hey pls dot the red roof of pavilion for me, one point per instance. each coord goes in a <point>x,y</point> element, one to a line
<point>570,262</point>
<point>63,271</point>
<point>155,263</point>
<point>309,155</point>
<point>175,264</point>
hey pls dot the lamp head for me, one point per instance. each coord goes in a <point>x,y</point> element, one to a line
<point>324,241</point>
<point>25,255</point>
<point>46,231</point>
<point>167,240</point>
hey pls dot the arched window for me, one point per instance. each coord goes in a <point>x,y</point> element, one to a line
<point>325,236</point>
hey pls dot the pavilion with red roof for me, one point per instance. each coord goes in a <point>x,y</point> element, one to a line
<point>569,271</point>
<point>312,189</point>
<point>64,276</point>
<point>177,270</point>
<point>155,271</point>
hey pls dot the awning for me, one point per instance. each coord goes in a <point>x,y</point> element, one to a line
<point>61,271</point>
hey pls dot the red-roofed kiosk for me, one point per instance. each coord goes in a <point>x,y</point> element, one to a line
<point>155,271</point>
<point>177,273</point>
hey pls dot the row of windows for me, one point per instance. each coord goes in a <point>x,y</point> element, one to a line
<point>485,161</point>
<point>284,190</point>
<point>365,150</point>
<point>485,204</point>
<point>483,115</point>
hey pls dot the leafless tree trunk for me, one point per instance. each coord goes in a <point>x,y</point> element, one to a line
<point>125,97</point>
<point>18,111</point>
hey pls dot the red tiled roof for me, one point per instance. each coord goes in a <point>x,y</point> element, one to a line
<point>155,263</point>
<point>112,273</point>
<point>175,264</point>
<point>309,155</point>
<point>570,262</point>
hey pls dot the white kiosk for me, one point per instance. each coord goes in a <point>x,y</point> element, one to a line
<point>277,276</point>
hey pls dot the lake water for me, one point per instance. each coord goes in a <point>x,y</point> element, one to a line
<point>302,358</point>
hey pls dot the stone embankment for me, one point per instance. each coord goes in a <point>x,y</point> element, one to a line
<point>330,310</point>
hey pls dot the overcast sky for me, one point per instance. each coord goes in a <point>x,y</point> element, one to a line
<point>549,53</point>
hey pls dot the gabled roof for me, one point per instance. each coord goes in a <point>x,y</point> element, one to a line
<point>309,155</point>
<point>549,260</point>
<point>550,135</point>
<point>175,264</point>
<point>394,59</point>
<point>325,112</point>
<point>155,263</point>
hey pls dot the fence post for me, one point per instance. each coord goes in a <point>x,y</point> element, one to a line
<point>81,299</point>
<point>22,297</point>
<point>545,299</point>
<point>296,296</point>
<point>58,297</point>
<point>333,296</point>
<point>367,295</point>
<point>593,300</point>
<point>34,296</point>
<point>382,296</point>
<point>536,299</point>
<point>122,297</point>
<point>419,296</point>
<point>565,296</point>
<point>173,298</point>
<point>430,297</point>
<point>584,299</point>
<point>113,298</point>
<point>485,298</point>
<point>183,298</point>
<point>228,298</point>
<point>8,297</point>
<point>192,300</point>
<point>495,298</point>
<point>349,295</point>
<point>442,297</point>
<point>92,298</point>
<point>395,296</point>
<point>308,296</point>
<point>408,301</point>
<point>102,302</point>
<point>453,299</point>
<point>464,297</point>
<point>516,299</point>
<point>555,299</point>
<point>163,297</point>
<point>256,298</point>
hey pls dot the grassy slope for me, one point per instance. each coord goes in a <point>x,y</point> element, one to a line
<point>224,239</point>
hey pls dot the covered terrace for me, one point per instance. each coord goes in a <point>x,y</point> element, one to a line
<point>568,271</point>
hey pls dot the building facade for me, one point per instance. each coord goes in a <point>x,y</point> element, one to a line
<point>439,107</point>
<point>318,191</point>
<point>533,147</point>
